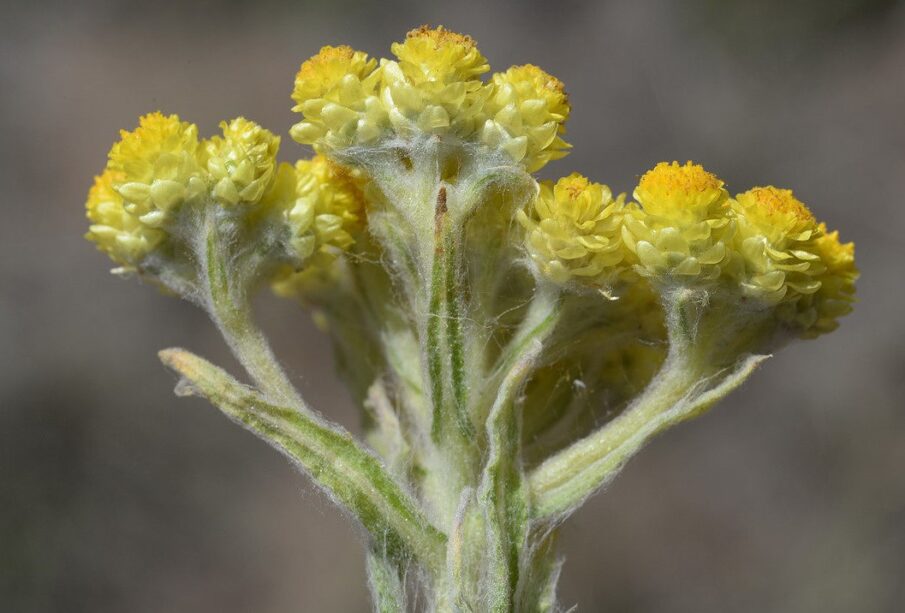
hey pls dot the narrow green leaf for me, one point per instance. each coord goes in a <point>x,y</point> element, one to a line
<point>330,455</point>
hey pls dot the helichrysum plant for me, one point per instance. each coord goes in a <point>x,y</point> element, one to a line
<point>512,342</point>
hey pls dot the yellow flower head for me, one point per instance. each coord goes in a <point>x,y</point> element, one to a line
<point>526,116</point>
<point>119,234</point>
<point>435,86</point>
<point>327,206</point>
<point>324,73</point>
<point>242,162</point>
<point>158,166</point>
<point>436,54</point>
<point>775,246</point>
<point>818,312</point>
<point>335,91</point>
<point>682,224</point>
<point>574,232</point>
<point>334,195</point>
<point>680,193</point>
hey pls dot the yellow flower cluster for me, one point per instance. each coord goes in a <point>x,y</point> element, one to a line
<point>784,257</point>
<point>160,171</point>
<point>336,93</point>
<point>435,87</point>
<point>818,313</point>
<point>763,245</point>
<point>574,231</point>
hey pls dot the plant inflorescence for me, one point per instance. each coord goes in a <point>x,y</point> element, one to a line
<point>487,322</point>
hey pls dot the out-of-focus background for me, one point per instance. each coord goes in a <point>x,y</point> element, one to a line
<point>117,496</point>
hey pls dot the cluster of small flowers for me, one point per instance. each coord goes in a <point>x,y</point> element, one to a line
<point>160,175</point>
<point>433,88</point>
<point>763,247</point>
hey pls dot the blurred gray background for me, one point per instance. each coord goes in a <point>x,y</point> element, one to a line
<point>117,496</point>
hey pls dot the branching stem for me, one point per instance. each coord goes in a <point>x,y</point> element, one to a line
<point>230,309</point>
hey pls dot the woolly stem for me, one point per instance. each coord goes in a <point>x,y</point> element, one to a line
<point>499,493</point>
<point>687,384</point>
<point>330,455</point>
<point>433,343</point>
<point>385,584</point>
<point>455,340</point>
<point>228,306</point>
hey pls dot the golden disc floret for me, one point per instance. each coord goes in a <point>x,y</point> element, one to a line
<point>438,55</point>
<point>680,192</point>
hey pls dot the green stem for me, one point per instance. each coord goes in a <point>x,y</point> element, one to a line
<point>501,494</point>
<point>538,324</point>
<point>454,338</point>
<point>679,392</point>
<point>387,588</point>
<point>500,491</point>
<point>330,455</point>
<point>434,344</point>
<point>231,312</point>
